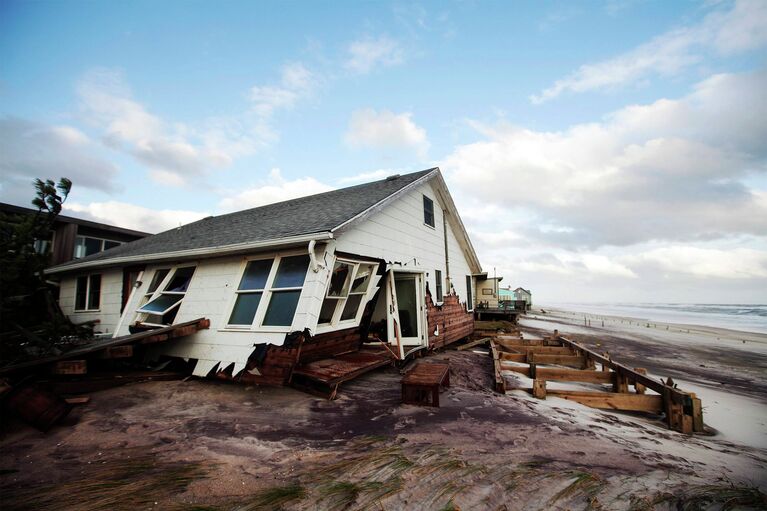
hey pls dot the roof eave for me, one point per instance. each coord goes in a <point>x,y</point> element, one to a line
<point>201,253</point>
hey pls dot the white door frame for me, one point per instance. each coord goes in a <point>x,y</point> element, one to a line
<point>394,331</point>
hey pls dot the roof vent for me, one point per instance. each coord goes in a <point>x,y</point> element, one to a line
<point>392,178</point>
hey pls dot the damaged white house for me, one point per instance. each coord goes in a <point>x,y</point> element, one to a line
<point>382,263</point>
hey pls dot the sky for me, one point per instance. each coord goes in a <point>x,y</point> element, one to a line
<point>597,151</point>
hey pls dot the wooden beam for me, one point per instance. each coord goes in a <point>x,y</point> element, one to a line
<point>612,401</point>
<point>473,344</point>
<point>676,395</point>
<point>576,361</point>
<point>544,350</point>
<point>524,370</point>
<point>70,367</point>
<point>500,384</point>
<point>125,351</point>
<point>513,357</point>
<point>557,374</point>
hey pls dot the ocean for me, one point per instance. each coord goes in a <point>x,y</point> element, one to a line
<point>746,317</point>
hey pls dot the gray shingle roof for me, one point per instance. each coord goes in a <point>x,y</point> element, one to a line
<point>306,215</point>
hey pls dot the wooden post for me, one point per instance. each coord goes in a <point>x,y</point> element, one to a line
<point>531,362</point>
<point>638,387</point>
<point>621,383</point>
<point>605,367</point>
<point>697,414</point>
<point>539,389</point>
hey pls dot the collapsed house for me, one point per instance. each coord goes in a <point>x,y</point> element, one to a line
<point>384,264</point>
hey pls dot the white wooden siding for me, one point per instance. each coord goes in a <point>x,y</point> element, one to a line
<point>109,306</point>
<point>399,234</point>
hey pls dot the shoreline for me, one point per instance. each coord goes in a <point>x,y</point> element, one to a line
<point>665,317</point>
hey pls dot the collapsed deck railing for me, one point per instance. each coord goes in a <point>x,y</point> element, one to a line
<point>683,410</point>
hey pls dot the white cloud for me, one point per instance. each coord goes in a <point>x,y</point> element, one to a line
<point>724,32</point>
<point>670,170</point>
<point>135,217</point>
<point>30,150</point>
<point>737,263</point>
<point>174,152</point>
<point>274,189</point>
<point>373,175</point>
<point>365,55</point>
<point>296,83</point>
<point>386,130</point>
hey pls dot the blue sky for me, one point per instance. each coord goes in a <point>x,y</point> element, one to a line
<point>614,145</point>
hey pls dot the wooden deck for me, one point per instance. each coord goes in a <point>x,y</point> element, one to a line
<point>323,377</point>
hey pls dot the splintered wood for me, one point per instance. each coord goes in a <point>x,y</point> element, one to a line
<point>683,410</point>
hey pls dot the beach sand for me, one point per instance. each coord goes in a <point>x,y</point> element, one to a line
<point>207,444</point>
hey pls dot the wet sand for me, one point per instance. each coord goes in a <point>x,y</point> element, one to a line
<point>173,445</point>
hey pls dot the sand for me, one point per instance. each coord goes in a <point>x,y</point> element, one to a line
<point>216,445</point>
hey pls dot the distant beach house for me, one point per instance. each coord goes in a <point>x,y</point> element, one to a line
<point>487,290</point>
<point>523,294</point>
<point>387,262</point>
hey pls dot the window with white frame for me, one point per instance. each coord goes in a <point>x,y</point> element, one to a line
<point>469,293</point>
<point>88,293</point>
<point>344,300</point>
<point>164,295</point>
<point>86,245</point>
<point>268,292</point>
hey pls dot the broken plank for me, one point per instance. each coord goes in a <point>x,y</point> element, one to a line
<point>473,344</point>
<point>70,367</point>
<point>613,401</point>
<point>557,374</point>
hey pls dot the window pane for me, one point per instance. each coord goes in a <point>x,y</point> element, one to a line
<point>428,211</point>
<point>255,274</point>
<point>245,309</point>
<point>282,307</point>
<point>92,246</point>
<point>327,310</point>
<point>110,244</point>
<point>81,293</point>
<point>351,307</point>
<point>94,292</point>
<point>362,279</point>
<point>339,280</point>
<point>79,247</point>
<point>292,271</point>
<point>161,303</point>
<point>438,278</point>
<point>159,276</point>
<point>180,280</point>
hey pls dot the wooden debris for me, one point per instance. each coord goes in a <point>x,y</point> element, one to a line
<point>473,344</point>
<point>421,385</point>
<point>70,367</point>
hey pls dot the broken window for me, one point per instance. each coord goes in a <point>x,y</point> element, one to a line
<point>428,211</point>
<point>88,293</point>
<point>438,287</point>
<point>344,300</point>
<point>163,298</point>
<point>277,282</point>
